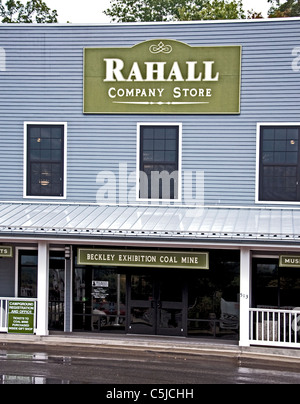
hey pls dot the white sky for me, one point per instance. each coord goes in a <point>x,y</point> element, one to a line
<point>90,11</point>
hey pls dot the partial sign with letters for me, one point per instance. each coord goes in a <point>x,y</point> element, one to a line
<point>289,261</point>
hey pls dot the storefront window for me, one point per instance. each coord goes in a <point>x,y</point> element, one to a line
<point>214,297</point>
<point>99,299</point>
<point>265,283</point>
<point>273,286</point>
<point>149,301</point>
<point>28,264</point>
<point>28,276</point>
<point>289,287</point>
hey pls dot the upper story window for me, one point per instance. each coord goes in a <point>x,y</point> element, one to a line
<point>45,160</point>
<point>159,162</point>
<point>279,163</point>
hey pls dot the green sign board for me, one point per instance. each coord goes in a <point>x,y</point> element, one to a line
<point>162,76</point>
<point>21,315</point>
<point>289,261</point>
<point>6,252</point>
<point>138,258</point>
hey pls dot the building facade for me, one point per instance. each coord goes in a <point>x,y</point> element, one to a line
<point>150,179</point>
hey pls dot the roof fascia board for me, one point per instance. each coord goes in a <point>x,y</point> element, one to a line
<point>114,24</point>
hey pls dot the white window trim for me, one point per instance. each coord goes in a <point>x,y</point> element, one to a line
<point>160,201</point>
<point>259,125</point>
<point>25,196</point>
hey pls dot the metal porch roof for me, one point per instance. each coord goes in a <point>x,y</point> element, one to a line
<point>86,221</point>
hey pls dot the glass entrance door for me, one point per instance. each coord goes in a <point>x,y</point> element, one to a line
<point>142,304</point>
<point>157,304</point>
<point>56,290</point>
<point>171,306</point>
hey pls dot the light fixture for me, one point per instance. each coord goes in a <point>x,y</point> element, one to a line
<point>67,252</point>
<point>44,183</point>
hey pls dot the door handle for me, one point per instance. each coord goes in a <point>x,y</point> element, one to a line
<point>155,304</point>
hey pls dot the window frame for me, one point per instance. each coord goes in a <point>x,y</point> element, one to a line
<point>138,162</point>
<point>18,279</point>
<point>25,169</point>
<point>28,251</point>
<point>260,125</point>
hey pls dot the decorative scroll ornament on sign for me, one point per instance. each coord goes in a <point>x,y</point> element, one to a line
<point>160,48</point>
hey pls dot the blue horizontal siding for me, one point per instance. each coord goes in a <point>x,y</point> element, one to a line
<point>43,82</point>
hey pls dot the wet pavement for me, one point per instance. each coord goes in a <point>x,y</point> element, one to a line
<point>110,366</point>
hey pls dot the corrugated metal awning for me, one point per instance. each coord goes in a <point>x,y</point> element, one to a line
<point>86,221</point>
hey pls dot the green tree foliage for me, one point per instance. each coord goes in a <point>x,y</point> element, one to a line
<point>174,10</point>
<point>291,8</point>
<point>213,10</point>
<point>34,11</point>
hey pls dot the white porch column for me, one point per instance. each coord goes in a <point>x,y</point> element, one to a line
<point>43,288</point>
<point>245,296</point>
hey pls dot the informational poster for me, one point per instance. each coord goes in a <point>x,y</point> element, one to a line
<point>21,315</point>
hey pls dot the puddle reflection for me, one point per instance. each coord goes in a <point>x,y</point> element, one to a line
<point>10,379</point>
<point>38,357</point>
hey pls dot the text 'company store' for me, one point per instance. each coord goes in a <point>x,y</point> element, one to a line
<point>150,180</point>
